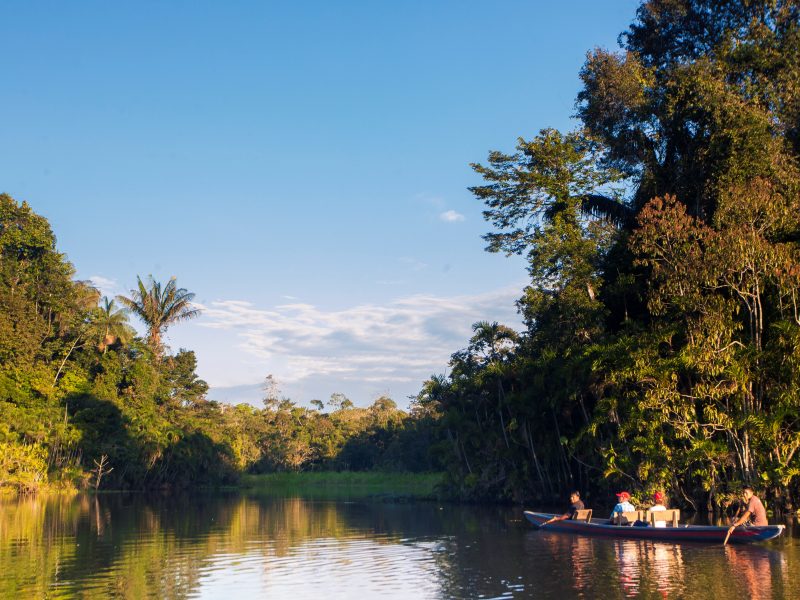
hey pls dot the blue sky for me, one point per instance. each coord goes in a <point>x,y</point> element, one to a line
<point>302,167</point>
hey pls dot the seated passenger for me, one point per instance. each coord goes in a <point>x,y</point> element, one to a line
<point>658,498</point>
<point>572,511</point>
<point>623,505</point>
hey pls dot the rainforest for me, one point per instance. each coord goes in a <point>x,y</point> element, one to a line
<point>661,339</point>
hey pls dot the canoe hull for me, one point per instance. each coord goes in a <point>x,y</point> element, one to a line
<point>683,533</point>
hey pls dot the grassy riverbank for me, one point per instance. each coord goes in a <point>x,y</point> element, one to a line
<point>346,484</point>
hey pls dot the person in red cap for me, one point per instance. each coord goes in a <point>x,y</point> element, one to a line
<point>623,504</point>
<point>658,498</point>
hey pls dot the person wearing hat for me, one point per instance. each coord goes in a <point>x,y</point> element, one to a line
<point>623,504</point>
<point>658,498</point>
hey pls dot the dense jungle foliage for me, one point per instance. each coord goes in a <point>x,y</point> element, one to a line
<point>662,339</point>
<point>661,347</point>
<point>79,389</point>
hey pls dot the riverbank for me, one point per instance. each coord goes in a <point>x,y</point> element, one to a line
<point>56,488</point>
<point>346,484</point>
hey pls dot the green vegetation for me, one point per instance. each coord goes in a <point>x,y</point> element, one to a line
<point>159,308</point>
<point>662,338</point>
<point>86,403</point>
<point>337,484</point>
<point>661,347</point>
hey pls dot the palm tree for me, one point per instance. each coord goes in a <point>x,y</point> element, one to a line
<point>110,324</point>
<point>159,307</point>
<point>492,341</point>
<point>495,343</point>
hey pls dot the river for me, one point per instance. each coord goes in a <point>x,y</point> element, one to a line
<point>244,546</point>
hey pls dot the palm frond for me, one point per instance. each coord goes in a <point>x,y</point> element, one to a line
<point>159,306</point>
<point>611,209</point>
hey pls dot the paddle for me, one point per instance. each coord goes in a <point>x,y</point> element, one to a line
<point>735,525</point>
<point>729,534</point>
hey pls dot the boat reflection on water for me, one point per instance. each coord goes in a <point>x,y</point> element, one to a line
<point>631,567</point>
<point>628,555</point>
<point>753,570</point>
<point>229,545</point>
<point>649,566</point>
<point>582,562</point>
<point>577,553</point>
<point>640,568</point>
<point>666,562</point>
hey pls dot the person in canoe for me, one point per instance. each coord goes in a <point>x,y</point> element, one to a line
<point>576,504</point>
<point>623,505</point>
<point>754,512</point>
<point>658,499</point>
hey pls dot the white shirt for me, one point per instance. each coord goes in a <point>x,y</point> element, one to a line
<point>657,507</point>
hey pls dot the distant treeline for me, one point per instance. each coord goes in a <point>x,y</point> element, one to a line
<point>662,339</point>
<point>84,402</point>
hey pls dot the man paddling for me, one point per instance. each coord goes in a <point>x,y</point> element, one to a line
<point>754,512</point>
<point>572,512</point>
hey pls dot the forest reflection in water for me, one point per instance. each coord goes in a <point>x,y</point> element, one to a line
<point>224,545</point>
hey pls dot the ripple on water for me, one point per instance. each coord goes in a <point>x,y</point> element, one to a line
<point>238,547</point>
<point>326,567</point>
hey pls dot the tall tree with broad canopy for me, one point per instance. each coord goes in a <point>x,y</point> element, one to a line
<point>662,238</point>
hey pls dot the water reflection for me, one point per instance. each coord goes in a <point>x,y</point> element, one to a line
<point>221,546</point>
<point>666,562</point>
<point>133,547</point>
<point>654,567</point>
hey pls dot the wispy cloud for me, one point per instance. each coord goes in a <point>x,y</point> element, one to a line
<point>451,216</point>
<point>431,199</point>
<point>390,281</point>
<point>413,263</point>
<point>108,287</point>
<point>403,341</point>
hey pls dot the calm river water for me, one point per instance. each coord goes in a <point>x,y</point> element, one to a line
<point>244,546</point>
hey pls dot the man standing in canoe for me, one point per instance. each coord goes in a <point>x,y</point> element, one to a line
<point>572,511</point>
<point>754,512</point>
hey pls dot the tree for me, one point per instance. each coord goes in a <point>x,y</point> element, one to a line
<point>272,394</point>
<point>159,307</point>
<point>552,175</point>
<point>704,94</point>
<point>185,387</point>
<point>339,401</point>
<point>662,244</point>
<point>111,325</point>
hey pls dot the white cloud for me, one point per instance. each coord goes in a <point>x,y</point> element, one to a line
<point>403,341</point>
<point>451,216</point>
<point>108,287</point>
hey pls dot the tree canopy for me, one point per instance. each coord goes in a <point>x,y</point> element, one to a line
<point>662,243</point>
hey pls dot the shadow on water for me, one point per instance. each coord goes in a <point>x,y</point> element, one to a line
<point>224,545</point>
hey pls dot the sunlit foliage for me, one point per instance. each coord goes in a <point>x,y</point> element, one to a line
<point>662,241</point>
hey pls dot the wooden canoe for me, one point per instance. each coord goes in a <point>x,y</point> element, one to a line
<point>682,533</point>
